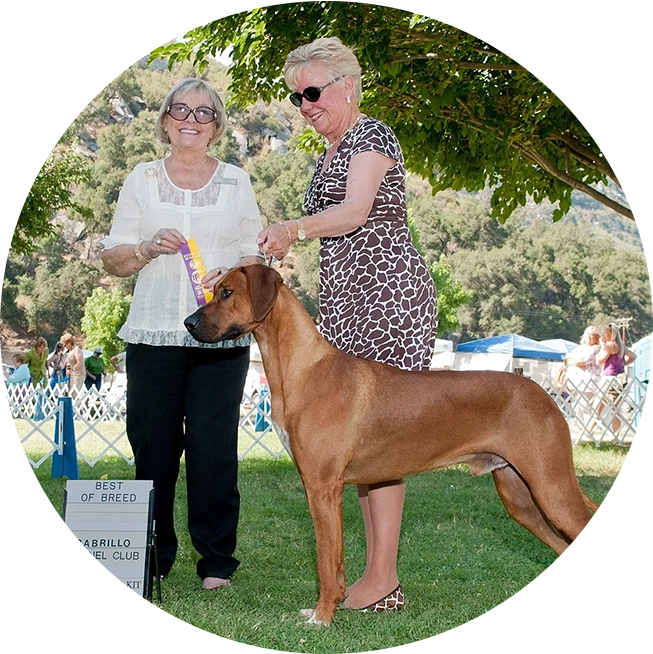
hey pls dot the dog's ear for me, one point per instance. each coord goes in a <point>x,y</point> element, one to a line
<point>263,283</point>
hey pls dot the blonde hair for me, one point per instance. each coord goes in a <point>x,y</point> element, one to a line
<point>333,54</point>
<point>585,338</point>
<point>615,336</point>
<point>177,92</point>
<point>67,338</point>
<point>41,342</point>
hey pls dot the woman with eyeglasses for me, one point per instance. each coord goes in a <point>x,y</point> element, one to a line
<point>183,397</point>
<point>377,298</point>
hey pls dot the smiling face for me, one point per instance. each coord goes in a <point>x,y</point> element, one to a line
<point>330,115</point>
<point>189,134</point>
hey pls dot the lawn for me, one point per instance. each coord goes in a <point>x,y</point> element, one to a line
<point>460,555</point>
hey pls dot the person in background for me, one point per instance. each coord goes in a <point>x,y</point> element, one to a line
<point>57,364</point>
<point>581,361</point>
<point>377,298</point>
<point>36,360</point>
<point>21,374</point>
<point>75,370</point>
<point>613,356</point>
<point>183,397</point>
<point>95,369</point>
<point>118,362</point>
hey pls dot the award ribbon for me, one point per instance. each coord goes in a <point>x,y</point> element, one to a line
<point>196,270</point>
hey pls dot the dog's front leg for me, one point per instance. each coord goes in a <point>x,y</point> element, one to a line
<point>325,503</point>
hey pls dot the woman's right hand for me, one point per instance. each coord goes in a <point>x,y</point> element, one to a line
<point>275,241</point>
<point>165,241</point>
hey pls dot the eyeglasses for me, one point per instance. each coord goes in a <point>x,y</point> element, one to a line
<point>181,111</point>
<point>311,93</point>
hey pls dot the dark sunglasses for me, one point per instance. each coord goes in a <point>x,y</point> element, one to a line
<point>181,111</point>
<point>311,93</point>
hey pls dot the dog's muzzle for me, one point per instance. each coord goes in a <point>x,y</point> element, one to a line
<point>192,322</point>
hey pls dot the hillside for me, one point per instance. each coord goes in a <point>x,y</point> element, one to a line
<point>596,273</point>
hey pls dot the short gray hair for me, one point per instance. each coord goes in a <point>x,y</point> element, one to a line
<point>177,92</point>
<point>333,54</point>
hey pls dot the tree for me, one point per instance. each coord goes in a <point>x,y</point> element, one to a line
<point>120,148</point>
<point>56,298</point>
<point>451,294</point>
<point>552,281</point>
<point>104,314</point>
<point>467,115</point>
<point>280,181</point>
<point>52,191</point>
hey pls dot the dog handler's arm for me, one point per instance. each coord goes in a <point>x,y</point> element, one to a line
<point>366,172</point>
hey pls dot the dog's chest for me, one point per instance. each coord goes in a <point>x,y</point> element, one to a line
<point>283,437</point>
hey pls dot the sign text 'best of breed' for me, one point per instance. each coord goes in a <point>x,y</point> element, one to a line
<point>113,520</point>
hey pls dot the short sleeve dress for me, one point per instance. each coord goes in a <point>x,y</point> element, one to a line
<point>377,298</point>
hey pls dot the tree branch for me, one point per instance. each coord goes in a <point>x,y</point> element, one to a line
<point>535,157</point>
<point>461,65</point>
<point>585,154</point>
<point>543,162</point>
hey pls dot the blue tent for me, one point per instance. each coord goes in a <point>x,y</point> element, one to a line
<point>560,344</point>
<point>517,346</point>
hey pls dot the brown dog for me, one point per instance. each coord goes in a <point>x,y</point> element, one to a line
<point>347,420</point>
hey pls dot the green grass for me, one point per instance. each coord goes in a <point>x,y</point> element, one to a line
<point>460,555</point>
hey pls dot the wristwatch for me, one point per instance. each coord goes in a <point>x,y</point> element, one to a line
<point>301,234</point>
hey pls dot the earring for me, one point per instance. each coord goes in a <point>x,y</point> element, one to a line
<point>348,100</point>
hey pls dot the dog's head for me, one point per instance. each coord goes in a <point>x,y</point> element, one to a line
<point>241,301</point>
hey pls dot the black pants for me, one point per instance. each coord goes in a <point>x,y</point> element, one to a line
<point>97,382</point>
<point>187,400</point>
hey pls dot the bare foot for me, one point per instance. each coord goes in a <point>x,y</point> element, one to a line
<point>354,587</point>
<point>211,583</point>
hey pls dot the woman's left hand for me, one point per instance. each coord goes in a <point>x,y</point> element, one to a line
<point>213,277</point>
<point>274,241</point>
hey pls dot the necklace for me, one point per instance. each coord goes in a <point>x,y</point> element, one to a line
<point>351,126</point>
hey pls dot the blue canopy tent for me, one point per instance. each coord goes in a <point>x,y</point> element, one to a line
<point>560,344</point>
<point>513,344</point>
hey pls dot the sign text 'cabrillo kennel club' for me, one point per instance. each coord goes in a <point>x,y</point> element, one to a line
<point>113,520</point>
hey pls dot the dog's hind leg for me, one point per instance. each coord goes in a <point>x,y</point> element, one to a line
<point>521,506</point>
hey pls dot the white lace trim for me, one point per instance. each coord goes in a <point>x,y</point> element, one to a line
<point>176,339</point>
<point>203,197</point>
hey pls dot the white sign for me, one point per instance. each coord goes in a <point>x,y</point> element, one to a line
<point>113,520</point>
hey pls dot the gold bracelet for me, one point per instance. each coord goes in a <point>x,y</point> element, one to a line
<point>289,234</point>
<point>139,255</point>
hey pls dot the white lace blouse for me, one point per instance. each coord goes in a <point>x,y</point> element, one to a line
<point>222,216</point>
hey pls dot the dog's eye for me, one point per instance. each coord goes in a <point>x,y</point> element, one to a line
<point>225,293</point>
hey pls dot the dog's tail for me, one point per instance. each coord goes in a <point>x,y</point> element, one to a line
<point>591,505</point>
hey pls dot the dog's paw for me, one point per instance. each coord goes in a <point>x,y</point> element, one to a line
<point>310,614</point>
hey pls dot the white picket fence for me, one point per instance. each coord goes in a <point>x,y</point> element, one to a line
<point>600,409</point>
<point>595,412</point>
<point>100,428</point>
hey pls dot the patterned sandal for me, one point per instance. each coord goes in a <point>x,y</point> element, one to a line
<point>393,602</point>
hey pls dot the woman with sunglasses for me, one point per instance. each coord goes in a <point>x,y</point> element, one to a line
<point>184,396</point>
<point>377,298</point>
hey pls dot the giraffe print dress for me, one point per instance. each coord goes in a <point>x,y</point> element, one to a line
<point>377,298</point>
